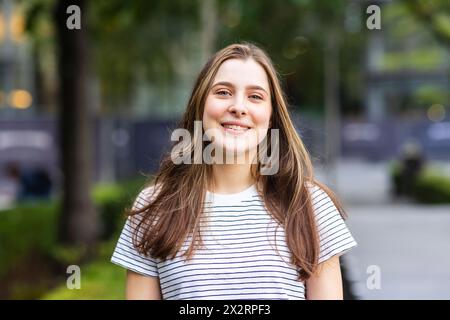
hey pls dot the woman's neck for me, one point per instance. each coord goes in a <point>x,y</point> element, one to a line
<point>231,178</point>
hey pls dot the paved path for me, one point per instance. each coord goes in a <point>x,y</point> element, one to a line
<point>408,243</point>
<point>411,246</point>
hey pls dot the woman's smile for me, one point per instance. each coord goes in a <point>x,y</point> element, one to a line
<point>235,127</point>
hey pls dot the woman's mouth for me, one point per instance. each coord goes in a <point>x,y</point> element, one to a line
<point>235,129</point>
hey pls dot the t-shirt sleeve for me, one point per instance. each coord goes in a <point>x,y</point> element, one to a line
<point>125,254</point>
<point>335,237</point>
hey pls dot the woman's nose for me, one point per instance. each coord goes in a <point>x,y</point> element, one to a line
<point>238,107</point>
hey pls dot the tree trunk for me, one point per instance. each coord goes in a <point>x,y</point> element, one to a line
<point>332,116</point>
<point>78,218</point>
<point>208,14</point>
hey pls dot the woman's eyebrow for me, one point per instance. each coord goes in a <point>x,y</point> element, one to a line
<point>229,84</point>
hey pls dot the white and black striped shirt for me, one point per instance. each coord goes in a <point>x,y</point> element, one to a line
<point>242,258</point>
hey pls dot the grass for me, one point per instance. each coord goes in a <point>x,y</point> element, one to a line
<point>100,280</point>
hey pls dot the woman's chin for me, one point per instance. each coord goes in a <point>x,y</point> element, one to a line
<point>233,151</point>
<point>236,155</point>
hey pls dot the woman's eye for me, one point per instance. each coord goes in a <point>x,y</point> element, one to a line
<point>222,92</point>
<point>255,96</point>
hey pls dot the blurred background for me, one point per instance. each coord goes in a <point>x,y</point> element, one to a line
<point>86,113</point>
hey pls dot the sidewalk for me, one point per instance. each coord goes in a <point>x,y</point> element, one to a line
<point>409,243</point>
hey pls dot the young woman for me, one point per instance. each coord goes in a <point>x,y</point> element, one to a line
<point>226,229</point>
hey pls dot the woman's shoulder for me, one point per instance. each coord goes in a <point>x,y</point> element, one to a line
<point>145,196</point>
<point>318,194</point>
<point>314,187</point>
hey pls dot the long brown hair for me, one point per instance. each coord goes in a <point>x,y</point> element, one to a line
<point>174,212</point>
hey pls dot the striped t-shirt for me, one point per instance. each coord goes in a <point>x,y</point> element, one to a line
<point>242,258</point>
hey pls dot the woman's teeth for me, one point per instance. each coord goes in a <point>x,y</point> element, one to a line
<point>235,127</point>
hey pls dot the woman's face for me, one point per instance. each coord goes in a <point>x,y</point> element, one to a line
<point>238,106</point>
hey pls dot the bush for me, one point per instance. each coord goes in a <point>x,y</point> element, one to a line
<point>111,200</point>
<point>24,229</point>
<point>430,186</point>
<point>28,238</point>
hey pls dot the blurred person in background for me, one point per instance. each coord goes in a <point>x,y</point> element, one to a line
<point>28,184</point>
<point>10,184</point>
<point>412,163</point>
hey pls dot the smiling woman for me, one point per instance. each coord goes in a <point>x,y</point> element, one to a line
<point>228,230</point>
<point>239,103</point>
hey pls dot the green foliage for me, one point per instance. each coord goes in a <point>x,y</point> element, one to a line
<point>99,280</point>
<point>26,228</point>
<point>431,186</point>
<point>410,45</point>
<point>296,45</point>
<point>28,233</point>
<point>442,23</point>
<point>138,38</point>
<point>428,95</point>
<point>420,59</point>
<point>434,15</point>
<point>111,200</point>
<point>67,255</point>
<point>129,40</point>
<point>148,44</point>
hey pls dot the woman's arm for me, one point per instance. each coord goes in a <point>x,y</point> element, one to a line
<point>327,283</point>
<point>140,287</point>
